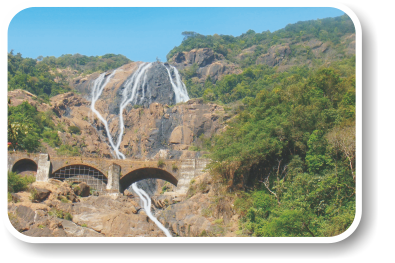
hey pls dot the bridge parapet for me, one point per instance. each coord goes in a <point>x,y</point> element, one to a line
<point>177,172</point>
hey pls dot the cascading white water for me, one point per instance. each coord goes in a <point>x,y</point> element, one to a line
<point>179,90</point>
<point>97,90</point>
<point>183,94</point>
<point>129,96</point>
<point>147,207</point>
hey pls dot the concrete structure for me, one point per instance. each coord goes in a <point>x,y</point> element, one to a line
<point>115,175</point>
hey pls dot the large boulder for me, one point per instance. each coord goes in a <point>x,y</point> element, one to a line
<point>40,194</point>
<point>210,64</point>
<point>82,190</point>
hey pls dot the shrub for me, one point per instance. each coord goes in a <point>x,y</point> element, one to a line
<point>161,163</point>
<point>174,167</point>
<point>194,148</point>
<point>165,188</point>
<point>33,194</point>
<point>68,216</point>
<point>84,225</point>
<point>68,150</point>
<point>60,214</point>
<point>206,212</point>
<point>218,221</point>
<point>92,191</point>
<point>17,183</point>
<point>74,129</point>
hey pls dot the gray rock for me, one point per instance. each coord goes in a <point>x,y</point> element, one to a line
<point>82,190</point>
<point>41,194</point>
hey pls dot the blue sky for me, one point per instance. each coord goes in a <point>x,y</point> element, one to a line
<point>141,34</point>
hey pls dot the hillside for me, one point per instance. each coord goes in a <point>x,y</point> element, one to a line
<point>205,60</point>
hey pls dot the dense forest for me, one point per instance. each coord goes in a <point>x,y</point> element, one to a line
<point>293,147</point>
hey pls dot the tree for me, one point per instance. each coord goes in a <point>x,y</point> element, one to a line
<point>342,141</point>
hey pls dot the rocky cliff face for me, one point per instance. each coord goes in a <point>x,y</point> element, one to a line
<point>209,64</point>
<point>153,124</point>
<point>159,131</point>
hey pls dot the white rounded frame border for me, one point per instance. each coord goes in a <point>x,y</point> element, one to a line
<point>358,79</point>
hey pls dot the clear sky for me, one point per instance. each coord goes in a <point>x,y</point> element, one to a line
<point>141,34</point>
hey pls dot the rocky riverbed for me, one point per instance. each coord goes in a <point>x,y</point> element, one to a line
<point>57,209</point>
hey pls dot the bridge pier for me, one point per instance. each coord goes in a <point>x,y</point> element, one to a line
<point>114,174</point>
<point>43,168</point>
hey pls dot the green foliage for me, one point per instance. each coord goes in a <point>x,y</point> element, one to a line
<point>296,145</point>
<point>33,194</point>
<point>92,191</point>
<point>74,130</point>
<point>165,188</point>
<point>84,225</point>
<point>206,212</point>
<point>35,77</point>
<point>68,150</point>
<point>86,64</point>
<point>60,214</point>
<point>17,183</point>
<point>174,167</point>
<point>26,126</point>
<point>41,77</point>
<point>161,163</point>
<point>327,29</point>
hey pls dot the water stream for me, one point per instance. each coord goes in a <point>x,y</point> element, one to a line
<point>129,96</point>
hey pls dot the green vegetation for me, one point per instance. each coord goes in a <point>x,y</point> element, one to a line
<point>17,183</point>
<point>165,188</point>
<point>41,76</point>
<point>85,64</point>
<point>33,194</point>
<point>295,146</point>
<point>60,214</point>
<point>327,29</point>
<point>26,126</point>
<point>68,150</point>
<point>35,77</point>
<point>161,163</point>
<point>253,79</point>
<point>74,130</point>
<point>64,200</point>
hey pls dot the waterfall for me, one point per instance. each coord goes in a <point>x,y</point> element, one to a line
<point>97,90</point>
<point>179,89</point>
<point>147,207</point>
<point>129,95</point>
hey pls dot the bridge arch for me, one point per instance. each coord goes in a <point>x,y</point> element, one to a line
<point>78,173</point>
<point>25,166</point>
<point>146,173</point>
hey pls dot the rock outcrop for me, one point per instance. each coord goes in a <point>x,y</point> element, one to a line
<point>16,97</point>
<point>275,55</point>
<point>209,64</point>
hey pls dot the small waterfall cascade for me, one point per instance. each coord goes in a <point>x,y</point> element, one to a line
<point>178,87</point>
<point>137,81</point>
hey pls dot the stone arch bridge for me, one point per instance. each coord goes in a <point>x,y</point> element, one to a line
<point>107,175</point>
